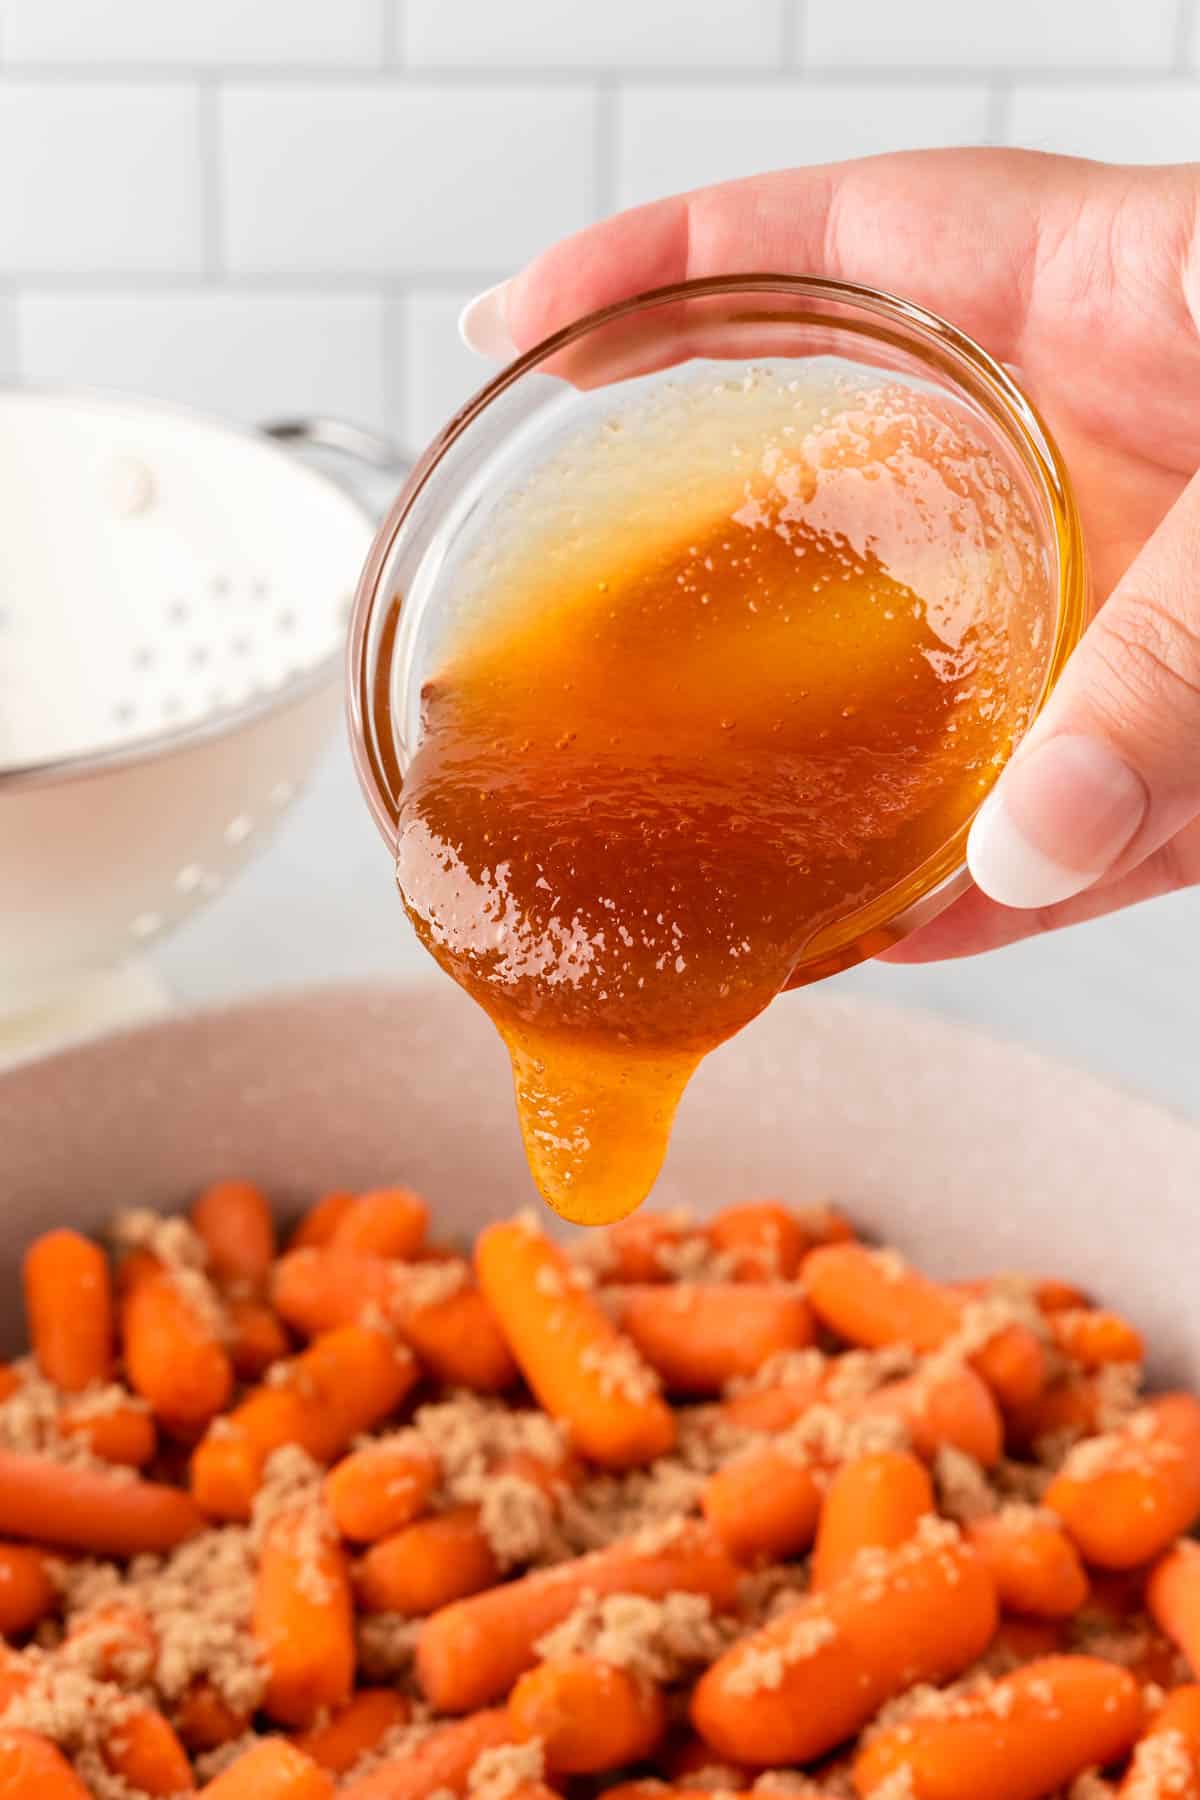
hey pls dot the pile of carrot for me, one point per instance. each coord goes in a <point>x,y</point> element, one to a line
<point>937,1541</point>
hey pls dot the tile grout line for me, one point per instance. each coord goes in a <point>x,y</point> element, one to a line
<point>794,33</point>
<point>1186,29</point>
<point>392,36</point>
<point>604,149</point>
<point>999,111</point>
<point>409,78</point>
<point>211,195</point>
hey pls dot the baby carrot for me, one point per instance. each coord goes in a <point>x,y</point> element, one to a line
<point>1029,1734</point>
<point>637,1249</point>
<point>874,1502</point>
<point>378,1489</point>
<point>1034,1564</point>
<point>1124,1498</point>
<point>699,1336</point>
<point>27,1593</point>
<point>145,1753</point>
<point>808,1680</point>
<point>581,1369</point>
<point>343,1384</point>
<point>442,1760</point>
<point>32,1769</point>
<point>1173,1598</point>
<point>257,1337</point>
<point>204,1719</point>
<point>303,1619</point>
<point>764,1240</point>
<point>944,1406</point>
<point>471,1652</point>
<point>233,1220</point>
<point>1165,1764</point>
<point>427,1565</point>
<point>88,1509</point>
<point>873,1298</point>
<point>69,1308</point>
<point>1068,1408</point>
<point>126,1434</point>
<point>387,1222</point>
<point>173,1356</point>
<point>456,1337</point>
<point>354,1729</point>
<point>272,1770</point>
<point>1094,1338</point>
<point>589,1716</point>
<point>764,1504</point>
<point>318,1224</point>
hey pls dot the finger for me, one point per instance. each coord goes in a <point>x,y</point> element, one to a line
<point>957,230</point>
<point>976,924</point>
<point>1111,771</point>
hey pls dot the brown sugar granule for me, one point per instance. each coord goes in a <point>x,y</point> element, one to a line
<point>469,1436</point>
<point>517,1520</point>
<point>982,1320</point>
<point>77,1713</point>
<point>1135,1447</point>
<point>623,1373</point>
<point>963,1489</point>
<point>891,1265</point>
<point>788,1368</point>
<point>500,1771</point>
<point>825,1435</point>
<point>658,1639</point>
<point>211,1763</point>
<point>859,1373</point>
<point>418,1285</point>
<point>761,1669</point>
<point>764,1594</point>
<point>1091,1785</point>
<point>30,1419</point>
<point>182,1253</point>
<point>1161,1765</point>
<point>387,1644</point>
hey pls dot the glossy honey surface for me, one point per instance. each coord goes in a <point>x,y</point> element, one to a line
<point>709,712</point>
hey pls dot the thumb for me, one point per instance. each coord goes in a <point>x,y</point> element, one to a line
<point>1111,770</point>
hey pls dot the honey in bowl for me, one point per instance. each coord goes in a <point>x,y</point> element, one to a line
<point>727,673</point>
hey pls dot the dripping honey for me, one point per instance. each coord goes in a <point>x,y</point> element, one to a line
<point>706,735</point>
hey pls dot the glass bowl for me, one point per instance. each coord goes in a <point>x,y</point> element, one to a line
<point>473,485</point>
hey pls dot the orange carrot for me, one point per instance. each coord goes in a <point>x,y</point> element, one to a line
<point>873,1298</point>
<point>318,1224</point>
<point>456,1337</point>
<point>765,1241</point>
<point>272,1770</point>
<point>355,1729</point>
<point>1029,1735</point>
<point>583,1372</point>
<point>388,1222</point>
<point>691,1756</point>
<point>1126,1497</point>
<point>257,1337</point>
<point>699,1336</point>
<point>173,1356</point>
<point>1068,1408</point>
<point>427,1565</point>
<point>125,1434</point>
<point>872,1503</point>
<point>1173,1598</point>
<point>764,1504</point>
<point>32,1769</point>
<point>1053,1295</point>
<point>204,1719</point>
<point>1166,1761</point>
<point>1034,1564</point>
<point>443,1759</point>
<point>380,1488</point>
<point>1094,1338</point>
<point>589,1716</point>
<point>471,1652</point>
<point>27,1593</point>
<point>303,1619</point>
<point>144,1751</point>
<point>69,1307</point>
<point>88,1509</point>
<point>635,1247</point>
<point>233,1220</point>
<point>1021,1639</point>
<point>343,1384</point>
<point>807,1681</point>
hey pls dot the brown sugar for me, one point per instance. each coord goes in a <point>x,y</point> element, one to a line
<point>695,733</point>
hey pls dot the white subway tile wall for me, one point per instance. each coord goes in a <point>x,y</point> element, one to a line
<point>282,205</point>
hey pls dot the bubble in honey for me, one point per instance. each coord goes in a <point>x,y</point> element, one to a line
<point>714,706</point>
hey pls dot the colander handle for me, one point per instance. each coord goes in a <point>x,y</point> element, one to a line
<point>355,441</point>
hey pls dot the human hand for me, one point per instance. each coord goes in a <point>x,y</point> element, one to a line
<point>1087,278</point>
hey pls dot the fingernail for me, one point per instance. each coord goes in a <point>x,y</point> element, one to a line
<point>483,326</point>
<point>1056,822</point>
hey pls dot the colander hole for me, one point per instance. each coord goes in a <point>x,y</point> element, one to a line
<point>239,829</point>
<point>189,878</point>
<point>178,612</point>
<point>124,712</point>
<point>286,620</point>
<point>198,655</point>
<point>260,589</point>
<point>143,657</point>
<point>221,585</point>
<point>146,924</point>
<point>240,645</point>
<point>281,793</point>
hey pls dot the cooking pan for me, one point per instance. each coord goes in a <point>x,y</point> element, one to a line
<point>971,1155</point>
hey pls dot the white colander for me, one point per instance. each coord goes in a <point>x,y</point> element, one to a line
<point>173,600</point>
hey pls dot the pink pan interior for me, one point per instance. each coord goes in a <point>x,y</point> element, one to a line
<point>968,1154</point>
